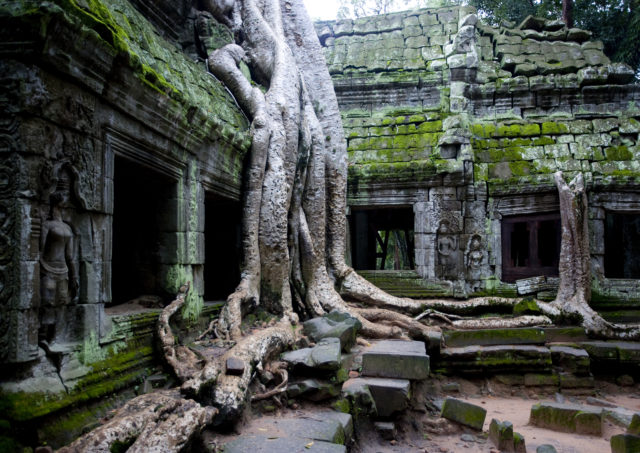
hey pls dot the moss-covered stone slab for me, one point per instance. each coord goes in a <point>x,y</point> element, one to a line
<point>564,334</point>
<point>269,444</point>
<point>634,426</point>
<point>501,434</point>
<point>386,395</point>
<point>495,359</point>
<point>464,413</point>
<point>396,359</point>
<point>485,337</point>
<point>570,418</point>
<point>625,443</point>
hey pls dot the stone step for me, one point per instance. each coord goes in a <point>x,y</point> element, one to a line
<point>564,334</point>
<point>497,359</point>
<point>571,359</point>
<point>613,357</point>
<point>487,337</point>
<point>322,432</point>
<point>378,396</point>
<point>396,359</point>
<point>407,284</point>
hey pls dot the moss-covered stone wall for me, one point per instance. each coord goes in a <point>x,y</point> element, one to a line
<point>467,123</point>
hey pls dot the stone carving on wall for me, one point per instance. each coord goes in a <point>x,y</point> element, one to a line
<point>448,251</point>
<point>474,257</point>
<point>59,278</point>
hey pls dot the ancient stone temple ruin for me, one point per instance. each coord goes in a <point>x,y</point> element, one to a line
<point>121,178</point>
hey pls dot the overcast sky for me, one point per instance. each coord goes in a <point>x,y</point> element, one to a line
<point>322,9</point>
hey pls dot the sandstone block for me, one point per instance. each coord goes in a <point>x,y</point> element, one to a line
<point>464,413</point>
<point>396,359</point>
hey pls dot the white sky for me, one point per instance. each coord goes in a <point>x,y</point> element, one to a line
<point>322,9</point>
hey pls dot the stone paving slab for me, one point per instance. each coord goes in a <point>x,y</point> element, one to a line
<point>308,426</point>
<point>268,444</point>
<point>396,359</point>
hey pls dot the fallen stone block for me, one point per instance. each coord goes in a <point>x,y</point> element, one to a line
<point>323,356</point>
<point>336,325</point>
<point>570,418</point>
<point>378,395</point>
<point>464,413</point>
<point>625,443</point>
<point>312,389</point>
<point>501,434</point>
<point>396,359</point>
<point>519,445</point>
<point>634,426</point>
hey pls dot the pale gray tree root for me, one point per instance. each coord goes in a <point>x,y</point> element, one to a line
<point>161,422</point>
<point>574,291</point>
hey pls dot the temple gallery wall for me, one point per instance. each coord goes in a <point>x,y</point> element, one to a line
<point>121,173</point>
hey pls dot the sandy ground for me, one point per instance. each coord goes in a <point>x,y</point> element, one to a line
<point>421,432</point>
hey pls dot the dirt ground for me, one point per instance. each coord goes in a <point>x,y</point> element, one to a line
<point>423,431</point>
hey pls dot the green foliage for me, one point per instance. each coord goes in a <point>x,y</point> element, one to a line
<point>362,8</point>
<point>614,22</point>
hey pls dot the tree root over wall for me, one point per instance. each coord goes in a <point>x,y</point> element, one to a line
<point>293,235</point>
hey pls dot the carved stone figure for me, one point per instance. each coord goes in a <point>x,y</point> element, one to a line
<point>474,257</point>
<point>58,274</point>
<point>447,244</point>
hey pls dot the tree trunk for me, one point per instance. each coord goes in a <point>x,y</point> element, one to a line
<point>567,12</point>
<point>574,290</point>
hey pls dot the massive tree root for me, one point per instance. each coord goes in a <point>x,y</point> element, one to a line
<point>162,421</point>
<point>574,291</point>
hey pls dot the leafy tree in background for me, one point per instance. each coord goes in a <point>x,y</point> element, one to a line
<point>362,8</point>
<point>615,22</point>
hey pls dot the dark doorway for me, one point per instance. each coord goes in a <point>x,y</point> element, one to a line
<point>222,247</point>
<point>622,246</point>
<point>143,219</point>
<point>530,246</point>
<point>382,239</point>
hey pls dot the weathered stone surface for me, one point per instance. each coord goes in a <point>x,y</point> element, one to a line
<point>235,366</point>
<point>625,443</point>
<point>495,359</point>
<point>634,426</point>
<point>573,360</point>
<point>334,324</point>
<point>387,430</point>
<point>483,337</point>
<point>267,444</point>
<point>569,418</point>
<point>325,355</point>
<point>501,434</point>
<point>396,359</point>
<point>463,412</point>
<point>312,389</point>
<point>383,396</point>
<point>546,448</point>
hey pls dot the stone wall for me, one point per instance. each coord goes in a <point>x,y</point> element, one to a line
<point>85,87</point>
<point>467,123</point>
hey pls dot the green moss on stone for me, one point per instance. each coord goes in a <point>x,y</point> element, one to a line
<point>618,153</point>
<point>553,128</point>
